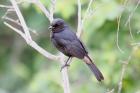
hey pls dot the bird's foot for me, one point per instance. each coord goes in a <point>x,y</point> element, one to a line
<point>65,65</point>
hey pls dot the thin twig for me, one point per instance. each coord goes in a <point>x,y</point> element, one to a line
<point>22,21</point>
<point>117,37</point>
<point>87,11</point>
<point>22,1</point>
<point>5,6</point>
<point>65,78</point>
<point>118,28</point>
<point>132,13</point>
<point>138,32</point>
<point>136,44</point>
<point>17,23</point>
<point>110,91</point>
<point>43,9</point>
<point>80,20</point>
<point>33,44</point>
<point>128,22</point>
<point>7,12</point>
<point>52,8</point>
<point>12,20</point>
<point>122,73</point>
<point>39,4</point>
<point>79,27</point>
<point>16,30</point>
<point>26,36</point>
<point>130,31</point>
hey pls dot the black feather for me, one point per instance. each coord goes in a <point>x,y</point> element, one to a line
<point>94,69</point>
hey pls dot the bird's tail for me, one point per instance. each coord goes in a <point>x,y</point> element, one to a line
<point>93,68</point>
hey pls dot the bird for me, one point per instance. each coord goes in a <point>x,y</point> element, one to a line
<point>66,41</point>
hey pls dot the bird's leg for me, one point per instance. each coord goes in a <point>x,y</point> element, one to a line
<point>66,64</point>
<point>68,61</point>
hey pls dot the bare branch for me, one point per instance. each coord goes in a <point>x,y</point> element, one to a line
<point>5,6</point>
<point>65,78</point>
<point>16,30</point>
<point>22,21</point>
<point>136,44</point>
<point>118,27</point>
<point>53,2</point>
<point>40,5</point>
<point>80,20</point>
<point>44,52</point>
<point>26,36</point>
<point>117,37</point>
<point>12,20</point>
<point>43,9</point>
<point>138,32</point>
<point>8,11</point>
<point>33,44</point>
<point>124,66</point>
<point>87,11</point>
<point>30,42</point>
<point>130,16</point>
<point>130,31</point>
<point>17,23</point>
<point>110,91</point>
<point>79,27</point>
<point>22,1</point>
<point>128,22</point>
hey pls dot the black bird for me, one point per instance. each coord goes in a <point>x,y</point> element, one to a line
<point>66,41</point>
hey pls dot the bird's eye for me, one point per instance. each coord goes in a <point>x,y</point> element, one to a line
<point>56,25</point>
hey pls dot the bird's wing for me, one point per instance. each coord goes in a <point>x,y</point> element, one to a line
<point>83,46</point>
<point>76,49</point>
<point>70,47</point>
<point>60,44</point>
<point>70,36</point>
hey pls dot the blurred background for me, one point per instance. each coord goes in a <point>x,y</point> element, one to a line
<point>24,70</point>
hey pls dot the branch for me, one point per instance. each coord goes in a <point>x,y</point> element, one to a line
<point>65,78</point>
<point>43,9</point>
<point>33,44</point>
<point>79,27</point>
<point>7,12</point>
<point>136,44</point>
<point>130,16</point>
<point>118,27</point>
<point>22,21</point>
<point>130,30</point>
<point>117,37</point>
<point>127,22</point>
<point>124,66</point>
<point>53,2</point>
<point>87,11</point>
<point>16,30</point>
<point>18,24</point>
<point>80,20</point>
<point>110,91</point>
<point>5,6</point>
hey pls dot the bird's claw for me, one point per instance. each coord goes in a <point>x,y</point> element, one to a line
<point>66,65</point>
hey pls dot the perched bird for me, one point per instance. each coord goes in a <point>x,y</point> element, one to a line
<point>66,41</point>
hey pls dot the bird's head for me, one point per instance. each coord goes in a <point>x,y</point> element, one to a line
<point>57,25</point>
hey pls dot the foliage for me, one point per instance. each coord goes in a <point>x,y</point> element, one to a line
<point>23,70</point>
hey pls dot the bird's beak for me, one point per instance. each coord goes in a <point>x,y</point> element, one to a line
<point>50,27</point>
